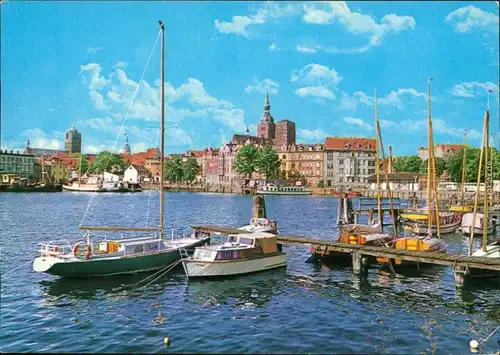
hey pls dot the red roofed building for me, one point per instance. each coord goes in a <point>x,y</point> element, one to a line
<point>348,161</point>
<point>211,166</point>
<point>441,150</point>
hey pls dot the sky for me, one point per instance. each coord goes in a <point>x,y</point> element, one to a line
<point>80,64</point>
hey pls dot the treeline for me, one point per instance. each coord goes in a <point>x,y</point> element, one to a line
<point>452,164</point>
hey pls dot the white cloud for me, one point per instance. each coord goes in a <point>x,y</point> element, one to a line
<point>266,85</point>
<point>273,47</point>
<point>316,74</point>
<point>466,18</point>
<point>358,122</point>
<point>324,13</point>
<point>234,118</point>
<point>351,102</point>
<point>315,91</point>
<point>93,50</point>
<point>41,139</point>
<point>120,64</point>
<point>305,49</point>
<point>98,101</point>
<point>91,76</point>
<point>315,135</point>
<point>238,24</point>
<point>394,97</point>
<point>473,88</point>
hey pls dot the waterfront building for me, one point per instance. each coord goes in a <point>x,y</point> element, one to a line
<point>112,177</point>
<point>303,159</point>
<point>400,181</point>
<point>58,170</point>
<point>199,155</point>
<point>348,161</point>
<point>18,163</point>
<point>136,174</point>
<point>73,141</point>
<point>211,166</point>
<point>440,150</point>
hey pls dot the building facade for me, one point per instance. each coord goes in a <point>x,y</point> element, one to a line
<point>348,161</point>
<point>285,133</point>
<point>73,141</point>
<point>440,150</point>
<point>304,159</point>
<point>18,163</point>
<point>59,172</point>
<point>211,164</point>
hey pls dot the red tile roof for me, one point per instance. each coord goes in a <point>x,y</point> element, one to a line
<point>350,143</point>
<point>141,157</point>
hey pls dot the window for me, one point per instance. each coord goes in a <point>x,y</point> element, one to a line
<point>247,241</point>
<point>329,174</point>
<point>341,161</point>
<point>329,155</point>
<point>341,170</point>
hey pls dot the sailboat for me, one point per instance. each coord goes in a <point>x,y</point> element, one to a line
<point>371,233</point>
<point>433,217</point>
<point>487,250</point>
<point>119,256</point>
<point>423,221</point>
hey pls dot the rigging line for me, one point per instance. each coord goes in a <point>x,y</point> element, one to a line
<point>17,268</point>
<point>124,119</point>
<point>151,190</point>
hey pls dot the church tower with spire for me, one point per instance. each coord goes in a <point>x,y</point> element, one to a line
<point>266,128</point>
<point>126,147</point>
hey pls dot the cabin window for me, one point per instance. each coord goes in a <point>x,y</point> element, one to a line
<point>232,239</point>
<point>224,255</point>
<point>247,241</point>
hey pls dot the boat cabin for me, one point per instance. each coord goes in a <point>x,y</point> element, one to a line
<point>239,246</point>
<point>263,222</point>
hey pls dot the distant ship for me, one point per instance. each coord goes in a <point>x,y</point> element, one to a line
<point>271,189</point>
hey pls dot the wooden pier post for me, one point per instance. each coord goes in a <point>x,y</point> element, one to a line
<point>359,262</point>
<point>259,207</point>
<point>461,274</point>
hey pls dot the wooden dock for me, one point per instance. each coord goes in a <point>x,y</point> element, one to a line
<point>462,265</point>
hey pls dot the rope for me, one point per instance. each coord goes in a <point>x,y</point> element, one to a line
<point>489,336</point>
<point>124,120</point>
<point>17,268</point>
<point>169,269</point>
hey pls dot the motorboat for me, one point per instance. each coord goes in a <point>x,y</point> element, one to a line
<point>468,223</point>
<point>239,254</point>
<point>258,225</point>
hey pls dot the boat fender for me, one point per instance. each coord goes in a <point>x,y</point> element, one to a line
<point>457,217</point>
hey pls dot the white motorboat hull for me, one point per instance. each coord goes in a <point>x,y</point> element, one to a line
<point>492,251</point>
<point>465,230</point>
<point>197,268</point>
<point>258,229</point>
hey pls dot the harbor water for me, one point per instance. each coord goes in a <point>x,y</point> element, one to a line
<point>304,308</point>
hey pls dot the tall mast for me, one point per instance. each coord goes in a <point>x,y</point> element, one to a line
<point>162,108</point>
<point>377,167</point>
<point>486,185</point>
<point>429,158</point>
<point>464,168</point>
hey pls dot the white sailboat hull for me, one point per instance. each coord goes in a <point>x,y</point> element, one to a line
<point>443,228</point>
<point>196,268</point>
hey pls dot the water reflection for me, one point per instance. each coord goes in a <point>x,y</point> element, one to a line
<point>254,290</point>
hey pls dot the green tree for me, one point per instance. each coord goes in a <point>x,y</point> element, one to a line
<point>85,162</point>
<point>267,162</point>
<point>173,170</point>
<point>413,164</point>
<point>245,162</point>
<point>106,161</point>
<point>321,184</point>
<point>400,164</point>
<point>190,169</point>
<point>454,165</point>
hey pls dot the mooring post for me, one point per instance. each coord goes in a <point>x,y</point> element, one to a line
<point>461,274</point>
<point>259,207</point>
<point>358,262</point>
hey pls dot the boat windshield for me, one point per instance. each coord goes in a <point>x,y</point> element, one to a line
<point>247,241</point>
<point>232,239</point>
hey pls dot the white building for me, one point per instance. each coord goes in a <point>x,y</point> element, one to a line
<point>136,174</point>
<point>110,177</point>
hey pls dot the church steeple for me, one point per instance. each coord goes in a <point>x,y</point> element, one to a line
<point>126,147</point>
<point>266,117</point>
<point>27,148</point>
<point>247,131</point>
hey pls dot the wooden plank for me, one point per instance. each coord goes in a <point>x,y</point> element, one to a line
<point>134,229</point>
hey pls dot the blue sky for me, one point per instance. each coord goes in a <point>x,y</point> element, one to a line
<point>78,63</point>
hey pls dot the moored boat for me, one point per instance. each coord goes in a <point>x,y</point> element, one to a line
<point>240,254</point>
<point>418,222</point>
<point>477,227</point>
<point>271,189</point>
<point>258,225</point>
<point>375,239</point>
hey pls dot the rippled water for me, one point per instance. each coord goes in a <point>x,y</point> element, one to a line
<point>303,308</point>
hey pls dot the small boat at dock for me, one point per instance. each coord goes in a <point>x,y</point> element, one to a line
<point>259,225</point>
<point>477,226</point>
<point>240,254</point>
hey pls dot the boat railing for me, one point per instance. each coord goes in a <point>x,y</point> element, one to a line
<point>61,246</point>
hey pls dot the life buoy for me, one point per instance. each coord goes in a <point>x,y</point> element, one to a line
<point>75,248</point>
